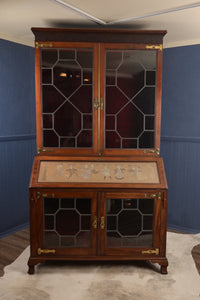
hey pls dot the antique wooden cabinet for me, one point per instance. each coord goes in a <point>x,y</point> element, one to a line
<point>98,189</point>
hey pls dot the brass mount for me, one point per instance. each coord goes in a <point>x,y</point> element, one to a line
<point>154,47</point>
<point>156,151</point>
<point>158,195</point>
<point>39,150</point>
<point>45,195</point>
<point>156,251</point>
<point>45,251</point>
<point>43,45</point>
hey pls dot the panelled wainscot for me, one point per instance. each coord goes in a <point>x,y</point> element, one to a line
<point>98,189</point>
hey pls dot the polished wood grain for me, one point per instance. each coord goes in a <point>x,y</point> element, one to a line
<point>99,39</point>
<point>38,87</point>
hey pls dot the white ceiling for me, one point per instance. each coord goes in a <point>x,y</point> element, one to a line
<point>181,18</point>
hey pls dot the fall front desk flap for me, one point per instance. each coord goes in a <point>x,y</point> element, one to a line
<point>98,172</point>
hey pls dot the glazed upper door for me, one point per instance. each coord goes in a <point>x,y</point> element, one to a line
<point>131,89</point>
<point>98,99</point>
<point>66,86</point>
<point>130,223</point>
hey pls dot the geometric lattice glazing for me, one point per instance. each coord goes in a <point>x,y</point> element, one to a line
<point>67,93</point>
<point>67,222</point>
<point>129,223</point>
<point>130,93</point>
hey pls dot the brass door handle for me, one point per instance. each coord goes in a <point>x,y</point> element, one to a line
<point>102,223</point>
<point>94,223</point>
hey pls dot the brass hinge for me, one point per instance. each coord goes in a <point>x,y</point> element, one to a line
<point>156,151</point>
<point>43,45</point>
<point>154,47</point>
<point>39,150</point>
<point>159,195</point>
<point>45,195</point>
<point>156,251</point>
<point>45,251</point>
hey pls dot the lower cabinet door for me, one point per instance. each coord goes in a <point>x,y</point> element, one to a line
<point>130,224</point>
<point>69,223</point>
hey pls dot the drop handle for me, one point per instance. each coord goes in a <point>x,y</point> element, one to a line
<point>102,223</point>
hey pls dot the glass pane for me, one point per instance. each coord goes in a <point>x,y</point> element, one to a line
<point>113,59</point>
<point>83,239</point>
<point>51,99</point>
<point>67,203</point>
<point>67,222</point>
<point>129,222</point>
<point>46,76</point>
<point>87,121</point>
<point>110,122</point>
<point>111,222</point>
<point>51,205</point>
<point>47,121</point>
<point>116,100</point>
<point>85,139</point>
<point>147,107</point>
<point>130,90</point>
<point>67,94</point>
<point>85,222</point>
<point>50,139</point>
<point>150,77</point>
<point>87,76</point>
<point>130,122</point>
<point>147,139</point>
<point>149,122</point>
<point>49,222</point>
<point>67,142</point>
<point>82,99</point>
<point>48,57</point>
<point>71,116</point>
<point>67,54</point>
<point>129,143</point>
<point>85,58</point>
<point>51,239</point>
<point>83,206</point>
<point>110,77</point>
<point>67,76</point>
<point>130,75</point>
<point>112,140</point>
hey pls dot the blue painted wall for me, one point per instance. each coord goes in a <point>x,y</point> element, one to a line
<point>17,133</point>
<point>180,142</point>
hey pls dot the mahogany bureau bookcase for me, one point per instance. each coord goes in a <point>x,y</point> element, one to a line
<point>98,189</point>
